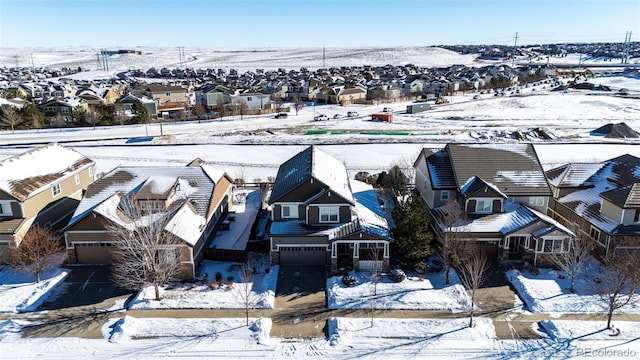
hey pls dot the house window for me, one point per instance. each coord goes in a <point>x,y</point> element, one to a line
<point>328,214</point>
<point>65,110</point>
<point>91,171</point>
<point>636,216</point>
<point>1,210</point>
<point>444,195</point>
<point>289,211</point>
<point>536,201</point>
<point>56,189</point>
<point>77,179</point>
<point>167,94</point>
<point>483,206</point>
<point>594,233</point>
<point>249,98</point>
<point>553,245</point>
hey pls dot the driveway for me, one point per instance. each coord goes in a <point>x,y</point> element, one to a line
<point>300,302</point>
<point>86,286</point>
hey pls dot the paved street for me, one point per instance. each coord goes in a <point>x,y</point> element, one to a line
<point>300,311</point>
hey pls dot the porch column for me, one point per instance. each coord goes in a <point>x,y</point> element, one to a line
<point>356,256</point>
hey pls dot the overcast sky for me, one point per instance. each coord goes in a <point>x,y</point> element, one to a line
<point>306,23</point>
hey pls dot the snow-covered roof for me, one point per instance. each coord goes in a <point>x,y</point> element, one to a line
<point>187,182</point>
<point>572,175</point>
<point>186,224</point>
<point>514,169</point>
<point>312,162</point>
<point>371,218</point>
<point>515,217</point>
<point>27,173</point>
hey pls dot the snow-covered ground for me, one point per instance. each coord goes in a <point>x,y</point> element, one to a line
<point>430,293</point>
<point>548,292</point>
<point>231,295</point>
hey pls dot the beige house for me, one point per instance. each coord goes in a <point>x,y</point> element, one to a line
<point>195,198</point>
<point>43,187</point>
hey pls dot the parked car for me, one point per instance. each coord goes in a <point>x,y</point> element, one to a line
<point>337,116</point>
<point>476,97</point>
<point>387,109</point>
<point>281,116</point>
<point>352,113</point>
<point>321,117</point>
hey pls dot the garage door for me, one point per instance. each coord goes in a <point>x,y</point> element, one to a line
<point>93,253</point>
<point>303,255</point>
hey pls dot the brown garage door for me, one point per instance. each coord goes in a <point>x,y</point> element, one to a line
<point>93,253</point>
<point>303,255</point>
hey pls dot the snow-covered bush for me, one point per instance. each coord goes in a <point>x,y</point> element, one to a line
<point>397,275</point>
<point>348,280</point>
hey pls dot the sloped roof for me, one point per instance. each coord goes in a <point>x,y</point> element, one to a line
<point>196,185</point>
<point>311,162</point>
<point>615,181</point>
<point>514,169</point>
<point>25,174</point>
<point>625,197</point>
<point>572,175</point>
<point>475,185</point>
<point>439,167</point>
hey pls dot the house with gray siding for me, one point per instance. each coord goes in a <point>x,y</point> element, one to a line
<point>321,217</point>
<point>493,194</point>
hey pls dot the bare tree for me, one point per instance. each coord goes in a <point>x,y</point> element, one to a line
<point>572,261</point>
<point>451,245</point>
<point>11,116</point>
<point>618,282</point>
<point>277,101</point>
<point>375,278</point>
<point>37,251</point>
<point>145,253</point>
<point>298,104</point>
<point>199,109</point>
<point>472,271</point>
<point>242,107</point>
<point>245,296</point>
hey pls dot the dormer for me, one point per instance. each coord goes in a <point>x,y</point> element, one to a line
<point>622,205</point>
<point>481,197</point>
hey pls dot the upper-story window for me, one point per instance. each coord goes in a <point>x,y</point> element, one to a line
<point>536,201</point>
<point>444,195</point>
<point>56,189</point>
<point>483,205</point>
<point>249,98</point>
<point>168,94</point>
<point>77,178</point>
<point>328,214</point>
<point>289,211</point>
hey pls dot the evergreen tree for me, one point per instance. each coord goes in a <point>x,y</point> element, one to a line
<point>412,233</point>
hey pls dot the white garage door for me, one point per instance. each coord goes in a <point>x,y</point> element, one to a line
<point>303,255</point>
<point>93,253</point>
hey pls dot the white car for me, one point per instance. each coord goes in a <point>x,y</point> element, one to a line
<point>352,113</point>
<point>387,109</point>
<point>321,117</point>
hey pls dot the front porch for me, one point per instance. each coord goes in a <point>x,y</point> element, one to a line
<point>365,255</point>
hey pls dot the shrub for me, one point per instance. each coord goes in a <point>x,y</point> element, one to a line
<point>218,276</point>
<point>397,275</point>
<point>230,278</point>
<point>348,280</point>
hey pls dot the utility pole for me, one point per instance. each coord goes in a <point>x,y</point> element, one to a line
<point>324,58</point>
<point>515,47</point>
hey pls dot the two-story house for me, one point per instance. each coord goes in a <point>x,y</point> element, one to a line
<point>600,201</point>
<point>40,187</point>
<point>494,194</point>
<point>321,217</point>
<point>195,200</point>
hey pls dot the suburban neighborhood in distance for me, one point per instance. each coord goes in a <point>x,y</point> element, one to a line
<point>455,201</point>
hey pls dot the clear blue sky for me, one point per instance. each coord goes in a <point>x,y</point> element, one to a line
<point>305,23</point>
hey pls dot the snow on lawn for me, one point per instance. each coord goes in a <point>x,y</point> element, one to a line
<point>128,328</point>
<point>412,293</point>
<point>20,293</point>
<point>201,296</point>
<point>547,292</point>
<point>591,330</point>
